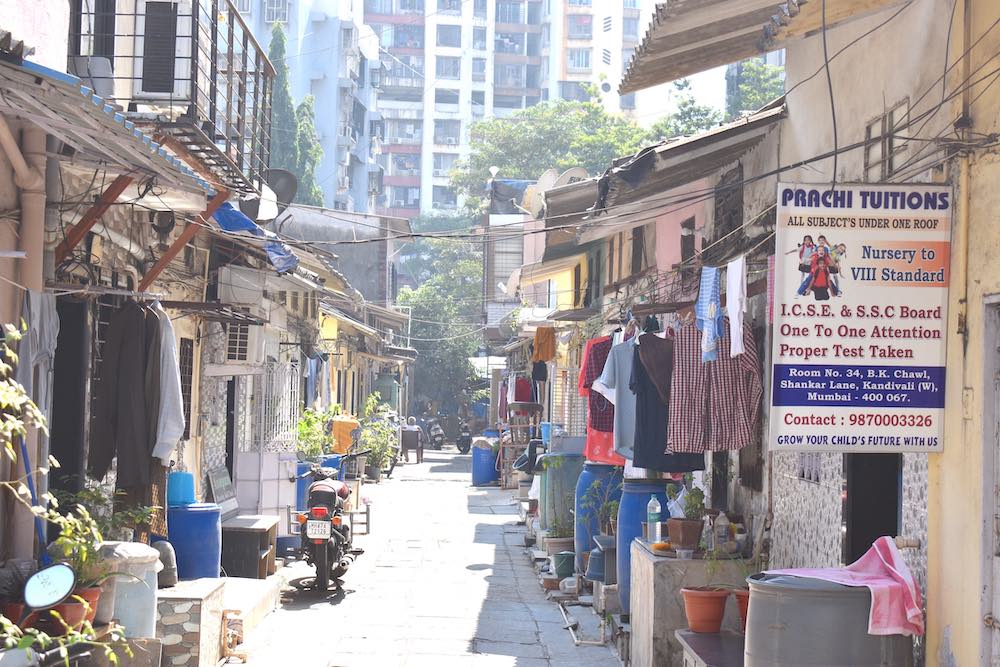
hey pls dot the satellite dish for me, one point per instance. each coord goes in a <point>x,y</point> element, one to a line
<point>534,197</point>
<point>284,184</point>
<point>262,208</point>
<point>547,179</point>
<point>571,176</point>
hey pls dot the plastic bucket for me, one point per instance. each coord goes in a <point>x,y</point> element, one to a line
<point>135,595</point>
<point>631,514</point>
<point>484,469</point>
<point>598,483</point>
<point>196,532</point>
<point>180,489</point>
<point>562,562</point>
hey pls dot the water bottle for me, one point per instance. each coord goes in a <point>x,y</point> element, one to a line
<point>653,519</point>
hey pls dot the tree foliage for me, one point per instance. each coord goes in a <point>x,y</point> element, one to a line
<point>689,117</point>
<point>446,315</point>
<point>284,126</point>
<point>751,84</point>
<point>309,154</point>
<point>558,134</point>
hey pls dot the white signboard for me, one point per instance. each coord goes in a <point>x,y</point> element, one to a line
<point>860,318</point>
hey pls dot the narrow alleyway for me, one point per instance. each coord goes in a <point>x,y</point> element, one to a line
<point>444,581</point>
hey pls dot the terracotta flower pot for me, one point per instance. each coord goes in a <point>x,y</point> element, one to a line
<point>93,596</point>
<point>554,545</point>
<point>13,612</point>
<point>73,614</point>
<point>743,602</point>
<point>684,533</point>
<point>704,608</point>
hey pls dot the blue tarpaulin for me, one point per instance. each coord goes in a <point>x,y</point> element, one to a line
<point>281,256</point>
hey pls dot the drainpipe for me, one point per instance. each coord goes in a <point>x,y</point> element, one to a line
<point>28,161</point>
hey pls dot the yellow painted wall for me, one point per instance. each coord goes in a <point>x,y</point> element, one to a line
<point>959,587</point>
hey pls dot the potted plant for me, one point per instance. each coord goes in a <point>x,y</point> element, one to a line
<point>378,436</point>
<point>78,545</point>
<point>686,533</point>
<point>611,526</point>
<point>559,537</point>
<point>11,597</point>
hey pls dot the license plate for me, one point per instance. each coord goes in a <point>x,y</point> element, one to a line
<point>318,530</point>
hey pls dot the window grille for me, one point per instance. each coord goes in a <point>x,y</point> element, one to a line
<point>276,11</point>
<point>185,359</point>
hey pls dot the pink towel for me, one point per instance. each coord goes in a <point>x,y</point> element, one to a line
<point>897,607</point>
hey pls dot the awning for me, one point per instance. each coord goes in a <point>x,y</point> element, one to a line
<point>214,311</point>
<point>566,206</point>
<point>351,322</point>
<point>690,36</point>
<point>656,170</point>
<point>62,106</point>
<point>574,314</point>
<point>531,274</point>
<point>401,353</point>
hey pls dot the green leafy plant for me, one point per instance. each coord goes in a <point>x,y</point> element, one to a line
<point>694,504</point>
<point>378,433</point>
<point>597,499</point>
<point>115,519</point>
<point>19,414</point>
<point>315,437</point>
<point>557,530</point>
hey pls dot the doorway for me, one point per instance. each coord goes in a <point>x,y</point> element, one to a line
<point>231,426</point>
<point>872,501</point>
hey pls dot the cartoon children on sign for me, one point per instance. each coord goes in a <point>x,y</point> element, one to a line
<point>820,267</point>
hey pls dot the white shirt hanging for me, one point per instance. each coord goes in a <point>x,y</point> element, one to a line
<point>736,302</point>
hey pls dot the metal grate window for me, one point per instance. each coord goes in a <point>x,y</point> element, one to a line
<point>242,6</point>
<point>237,342</point>
<point>185,359</point>
<point>276,11</point>
<point>883,146</point>
<point>568,407</point>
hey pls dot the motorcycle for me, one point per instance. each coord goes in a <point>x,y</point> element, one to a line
<point>436,436</point>
<point>464,440</point>
<point>325,537</point>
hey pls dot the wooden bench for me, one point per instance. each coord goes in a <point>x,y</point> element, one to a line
<point>249,541</point>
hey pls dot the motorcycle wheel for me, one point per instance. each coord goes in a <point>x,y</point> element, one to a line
<point>322,564</point>
<point>464,449</point>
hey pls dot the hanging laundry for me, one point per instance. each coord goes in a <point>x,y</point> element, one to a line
<point>539,371</point>
<point>545,344</point>
<point>714,406</point>
<point>170,418</point>
<point>708,313</point>
<point>736,301</point>
<point>650,448</point>
<point>614,384</point>
<point>502,403</point>
<point>599,446</point>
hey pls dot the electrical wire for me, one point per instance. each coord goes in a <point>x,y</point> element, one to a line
<point>833,104</point>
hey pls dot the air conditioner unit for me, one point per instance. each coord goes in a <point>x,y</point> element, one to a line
<point>163,50</point>
<point>244,344</point>
<point>451,141</point>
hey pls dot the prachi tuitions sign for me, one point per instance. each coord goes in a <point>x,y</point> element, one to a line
<point>860,317</point>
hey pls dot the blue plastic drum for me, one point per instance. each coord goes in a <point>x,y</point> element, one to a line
<point>196,533</point>
<point>598,484</point>
<point>631,514</point>
<point>484,464</point>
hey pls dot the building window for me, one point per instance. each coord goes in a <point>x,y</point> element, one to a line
<point>404,164</point>
<point>411,6</point>
<point>276,11</point>
<point>185,360</point>
<point>378,7</point>
<point>631,4</point>
<point>243,6</point>
<point>510,11</point>
<point>630,28</point>
<point>449,6</point>
<point>638,250</point>
<point>627,102</point>
<point>445,96</point>
<point>578,59</point>
<point>580,3</point>
<point>445,198</point>
<point>404,197</point>
<point>447,132</point>
<point>448,67</point>
<point>237,342</point>
<point>479,9</point>
<point>478,103</point>
<point>509,76</point>
<point>479,69</point>
<point>580,26</point>
<point>573,90</point>
<point>443,163</point>
<point>449,35</point>
<point>882,145</point>
<point>408,36</point>
<point>479,39</point>
<point>509,42</point>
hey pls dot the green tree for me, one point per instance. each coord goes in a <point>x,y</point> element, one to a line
<point>309,154</point>
<point>420,258</point>
<point>284,126</point>
<point>558,134</point>
<point>752,84</point>
<point>445,327</point>
<point>689,117</point>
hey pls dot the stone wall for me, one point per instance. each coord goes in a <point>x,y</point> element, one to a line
<point>189,623</point>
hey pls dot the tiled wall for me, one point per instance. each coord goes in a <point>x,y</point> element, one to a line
<point>190,629</point>
<point>213,401</point>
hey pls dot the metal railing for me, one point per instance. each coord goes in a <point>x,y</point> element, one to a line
<point>192,68</point>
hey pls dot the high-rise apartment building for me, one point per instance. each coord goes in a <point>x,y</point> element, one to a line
<point>452,62</point>
<point>334,56</point>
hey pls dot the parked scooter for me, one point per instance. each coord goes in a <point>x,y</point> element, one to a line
<point>436,436</point>
<point>325,536</point>
<point>464,440</point>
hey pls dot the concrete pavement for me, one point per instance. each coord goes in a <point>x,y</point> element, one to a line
<point>444,581</point>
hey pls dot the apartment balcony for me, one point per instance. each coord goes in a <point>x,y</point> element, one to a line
<point>393,81</point>
<point>190,72</point>
<point>414,140</point>
<point>347,135</point>
<point>446,141</point>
